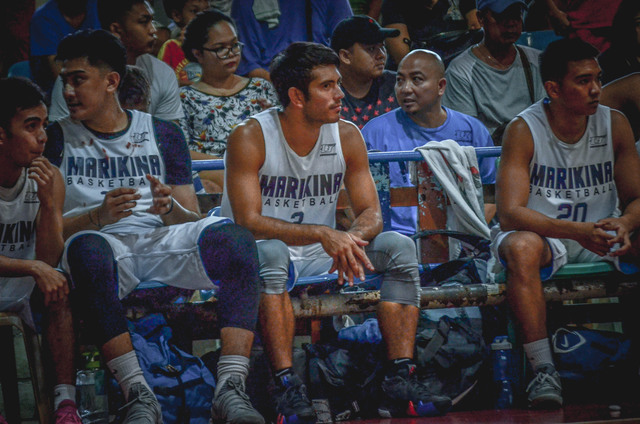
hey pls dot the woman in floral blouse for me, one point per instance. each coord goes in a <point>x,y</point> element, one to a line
<point>221,99</point>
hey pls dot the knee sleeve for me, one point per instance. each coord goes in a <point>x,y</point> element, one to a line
<point>95,278</point>
<point>395,256</point>
<point>229,255</point>
<point>274,265</point>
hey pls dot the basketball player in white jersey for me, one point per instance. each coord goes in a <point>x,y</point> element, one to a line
<point>131,214</point>
<point>566,161</point>
<point>31,198</point>
<point>284,169</point>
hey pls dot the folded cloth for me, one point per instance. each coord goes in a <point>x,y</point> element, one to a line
<point>267,11</point>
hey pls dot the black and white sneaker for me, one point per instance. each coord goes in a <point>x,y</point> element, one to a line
<point>292,404</point>
<point>405,396</point>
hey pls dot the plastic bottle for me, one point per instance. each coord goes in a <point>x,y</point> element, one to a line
<point>93,405</point>
<point>502,376</point>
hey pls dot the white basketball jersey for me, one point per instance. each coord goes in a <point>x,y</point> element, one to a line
<point>18,220</point>
<point>299,189</point>
<point>574,182</point>
<point>92,166</point>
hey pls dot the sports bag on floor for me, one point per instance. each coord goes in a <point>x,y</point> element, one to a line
<point>183,385</point>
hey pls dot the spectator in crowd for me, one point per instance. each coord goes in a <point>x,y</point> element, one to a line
<point>420,85</point>
<point>14,32</point>
<point>366,7</point>
<point>367,86</point>
<point>221,99</point>
<point>49,24</point>
<point>266,31</point>
<point>623,94</point>
<point>132,22</point>
<point>31,199</point>
<point>295,147</point>
<point>145,226</point>
<point>440,25</point>
<point>495,79</point>
<point>181,12</point>
<point>551,212</point>
<point>623,56</point>
<point>135,90</point>
<point>589,20</point>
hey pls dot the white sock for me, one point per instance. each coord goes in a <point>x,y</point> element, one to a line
<point>229,365</point>
<point>63,392</point>
<point>538,353</point>
<point>127,371</point>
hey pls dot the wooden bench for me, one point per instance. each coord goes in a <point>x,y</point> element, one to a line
<point>573,282</point>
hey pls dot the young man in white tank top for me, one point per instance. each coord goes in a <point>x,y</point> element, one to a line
<point>131,215</point>
<point>283,172</point>
<point>565,162</point>
<point>31,198</point>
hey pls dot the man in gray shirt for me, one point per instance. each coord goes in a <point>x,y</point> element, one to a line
<point>495,80</point>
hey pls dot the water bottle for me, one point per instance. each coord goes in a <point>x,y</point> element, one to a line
<point>502,376</point>
<point>93,405</point>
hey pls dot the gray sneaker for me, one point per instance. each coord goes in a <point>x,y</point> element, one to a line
<point>545,390</point>
<point>143,407</point>
<point>232,405</point>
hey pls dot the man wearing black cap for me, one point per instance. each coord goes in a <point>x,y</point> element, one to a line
<point>494,80</point>
<point>368,88</point>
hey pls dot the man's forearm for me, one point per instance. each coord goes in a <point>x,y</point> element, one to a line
<point>10,267</point>
<point>367,225</point>
<point>525,219</point>
<point>293,234</point>
<point>49,238</point>
<point>632,215</point>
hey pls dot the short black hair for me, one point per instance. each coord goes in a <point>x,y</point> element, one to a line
<point>99,47</point>
<point>554,61</point>
<point>17,94</point>
<point>110,11</point>
<point>293,66</point>
<point>135,89</point>
<point>173,6</point>
<point>196,33</point>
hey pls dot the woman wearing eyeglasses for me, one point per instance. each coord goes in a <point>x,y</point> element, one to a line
<point>221,99</point>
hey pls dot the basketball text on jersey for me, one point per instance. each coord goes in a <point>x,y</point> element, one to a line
<point>571,183</point>
<point>110,172</point>
<point>300,192</point>
<point>16,236</point>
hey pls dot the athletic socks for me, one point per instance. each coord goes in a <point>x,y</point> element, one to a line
<point>281,377</point>
<point>393,366</point>
<point>62,392</point>
<point>538,353</point>
<point>229,365</point>
<point>126,370</point>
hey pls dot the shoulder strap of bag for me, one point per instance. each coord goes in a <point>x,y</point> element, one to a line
<point>526,65</point>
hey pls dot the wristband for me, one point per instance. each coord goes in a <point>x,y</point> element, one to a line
<point>170,208</point>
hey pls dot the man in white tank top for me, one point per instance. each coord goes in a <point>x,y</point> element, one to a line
<point>131,215</point>
<point>31,198</point>
<point>566,163</point>
<point>284,170</point>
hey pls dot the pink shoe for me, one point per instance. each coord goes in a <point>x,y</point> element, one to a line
<point>67,413</point>
<point>2,420</point>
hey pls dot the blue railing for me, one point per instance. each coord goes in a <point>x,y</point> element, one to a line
<point>374,157</point>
